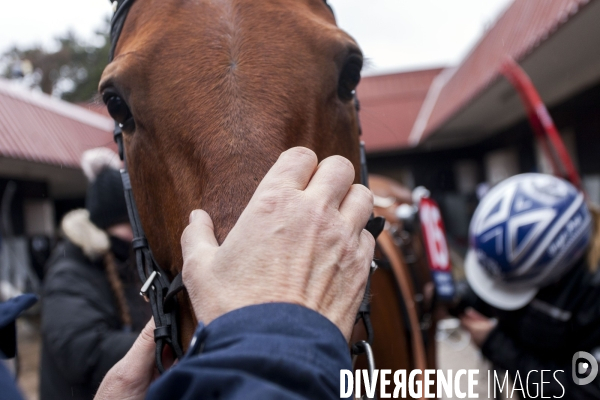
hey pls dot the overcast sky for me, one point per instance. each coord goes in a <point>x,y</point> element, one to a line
<point>395,35</point>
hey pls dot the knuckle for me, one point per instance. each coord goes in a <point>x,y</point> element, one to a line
<point>121,376</point>
<point>147,336</point>
<point>364,197</point>
<point>201,217</point>
<point>270,200</point>
<point>351,249</point>
<point>343,160</point>
<point>340,164</point>
<point>365,192</point>
<point>300,153</point>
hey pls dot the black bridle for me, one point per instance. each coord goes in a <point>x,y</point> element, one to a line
<point>157,287</point>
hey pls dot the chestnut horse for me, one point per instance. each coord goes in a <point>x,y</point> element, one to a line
<point>210,92</point>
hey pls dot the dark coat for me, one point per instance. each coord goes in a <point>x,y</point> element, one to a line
<point>563,318</point>
<point>82,333</point>
<point>269,352</point>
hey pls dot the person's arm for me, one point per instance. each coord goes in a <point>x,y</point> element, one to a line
<point>76,332</point>
<point>504,353</point>
<point>269,351</point>
<point>466,298</point>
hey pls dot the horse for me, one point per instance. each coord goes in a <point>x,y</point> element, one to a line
<point>402,255</point>
<point>207,94</point>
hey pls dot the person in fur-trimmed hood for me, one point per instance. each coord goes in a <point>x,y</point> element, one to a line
<point>91,309</point>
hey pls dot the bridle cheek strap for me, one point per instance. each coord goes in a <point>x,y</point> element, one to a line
<point>117,22</point>
<point>156,284</point>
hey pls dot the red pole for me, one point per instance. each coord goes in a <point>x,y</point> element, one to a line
<point>541,122</point>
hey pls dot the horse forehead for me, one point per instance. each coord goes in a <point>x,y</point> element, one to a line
<point>168,26</point>
<point>171,45</point>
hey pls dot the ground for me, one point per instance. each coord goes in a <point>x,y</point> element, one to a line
<point>29,342</point>
<point>456,352</point>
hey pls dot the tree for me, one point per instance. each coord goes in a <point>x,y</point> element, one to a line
<point>71,72</point>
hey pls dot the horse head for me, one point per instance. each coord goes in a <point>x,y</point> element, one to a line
<point>210,92</point>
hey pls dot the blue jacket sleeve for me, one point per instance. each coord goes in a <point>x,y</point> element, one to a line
<point>267,351</point>
<point>8,386</point>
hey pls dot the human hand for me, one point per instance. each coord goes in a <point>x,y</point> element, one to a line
<point>477,325</point>
<point>131,376</point>
<point>300,240</point>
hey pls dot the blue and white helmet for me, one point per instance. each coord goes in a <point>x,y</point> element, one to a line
<point>526,233</point>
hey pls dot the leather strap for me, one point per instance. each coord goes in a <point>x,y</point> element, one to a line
<point>117,23</point>
<point>175,287</point>
<point>389,248</point>
<point>375,226</point>
<point>166,332</point>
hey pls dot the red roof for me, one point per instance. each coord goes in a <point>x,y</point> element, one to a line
<point>97,107</point>
<point>524,25</point>
<point>390,105</point>
<point>39,128</point>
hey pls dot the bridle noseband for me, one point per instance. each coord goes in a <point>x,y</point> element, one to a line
<point>157,288</point>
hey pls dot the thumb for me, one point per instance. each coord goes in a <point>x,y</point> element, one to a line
<point>199,234</point>
<point>143,348</point>
<point>131,376</point>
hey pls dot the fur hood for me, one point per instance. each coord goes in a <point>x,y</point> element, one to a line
<point>78,228</point>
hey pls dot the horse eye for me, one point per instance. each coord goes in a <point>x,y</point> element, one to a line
<point>349,78</point>
<point>118,110</point>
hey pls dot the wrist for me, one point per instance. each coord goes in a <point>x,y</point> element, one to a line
<point>281,320</point>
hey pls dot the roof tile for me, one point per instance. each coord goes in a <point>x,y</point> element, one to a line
<point>39,128</point>
<point>390,105</point>
<point>522,27</point>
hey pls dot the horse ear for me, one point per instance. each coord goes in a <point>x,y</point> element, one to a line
<point>329,6</point>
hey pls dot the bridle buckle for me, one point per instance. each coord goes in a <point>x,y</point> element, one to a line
<point>364,347</point>
<point>146,287</point>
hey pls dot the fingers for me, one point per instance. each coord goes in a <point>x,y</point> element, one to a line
<point>362,264</point>
<point>293,169</point>
<point>472,314</point>
<point>366,245</point>
<point>132,375</point>
<point>332,180</point>
<point>199,234</point>
<point>357,206</point>
<point>142,351</point>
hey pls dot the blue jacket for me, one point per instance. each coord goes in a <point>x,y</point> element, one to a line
<point>9,311</point>
<point>268,351</point>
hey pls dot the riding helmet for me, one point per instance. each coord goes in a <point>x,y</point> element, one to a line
<point>526,233</point>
